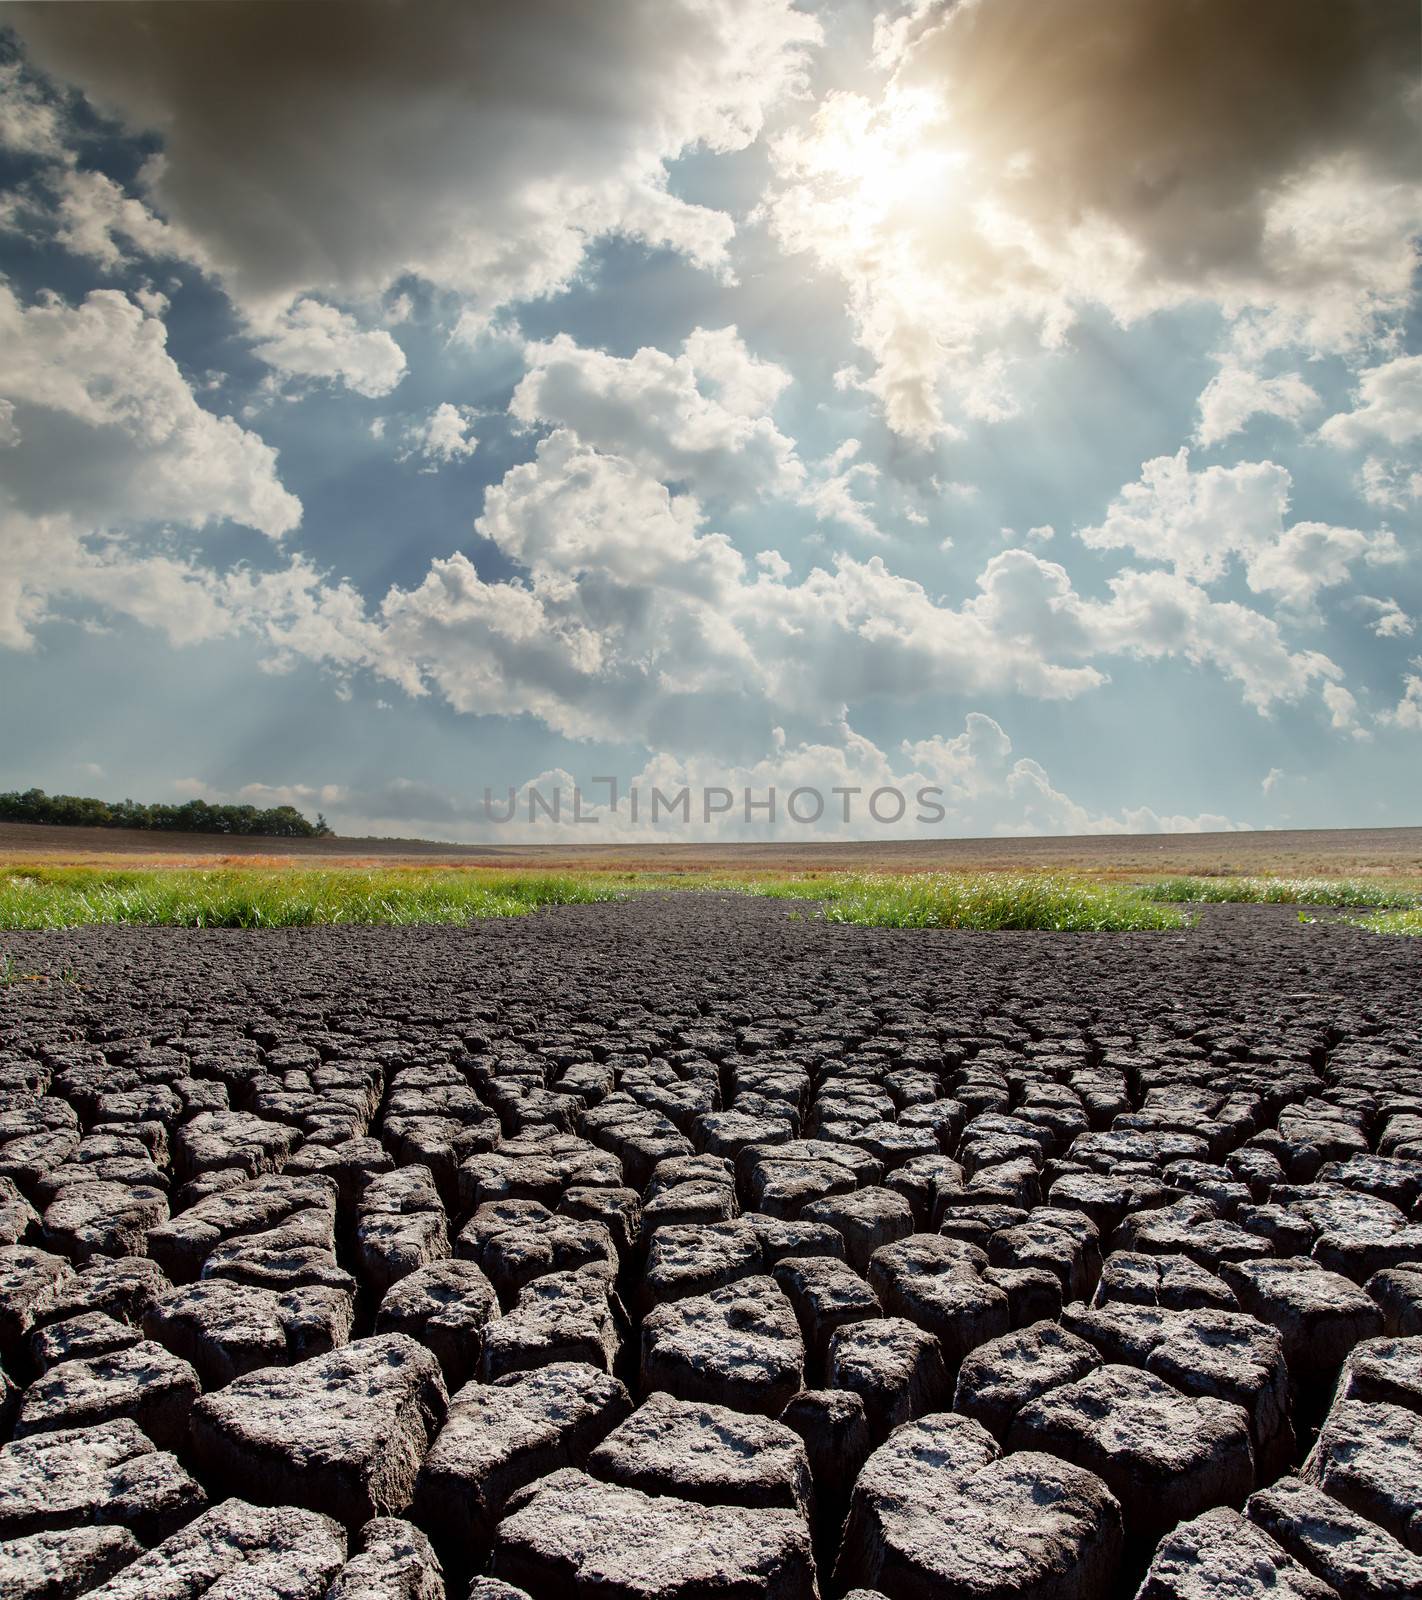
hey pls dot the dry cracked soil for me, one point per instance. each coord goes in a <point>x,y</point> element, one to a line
<point>684,1248</point>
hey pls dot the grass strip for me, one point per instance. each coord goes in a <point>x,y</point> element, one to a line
<point>281,897</point>
<point>1403,922</point>
<point>286,897</point>
<point>1348,892</point>
<point>987,901</point>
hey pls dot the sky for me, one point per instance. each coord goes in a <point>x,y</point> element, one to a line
<point>1016,405</point>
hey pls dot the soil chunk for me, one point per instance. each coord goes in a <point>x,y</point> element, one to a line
<point>234,1139</point>
<point>98,1218</point>
<point>401,1226</point>
<point>393,1561</point>
<point>1388,1371</point>
<point>1320,1314</point>
<point>516,1241</point>
<point>110,1473</point>
<point>738,1346</point>
<point>1369,1457</point>
<point>272,1552</point>
<point>835,1430</point>
<point>565,1316</point>
<point>1398,1292</point>
<point>122,1288</point>
<point>1223,1354</point>
<point>91,1333</point>
<point>1358,1559</point>
<point>144,1382</point>
<point>827,1295</point>
<point>864,1219</point>
<point>894,1366</point>
<point>445,1306</point>
<point>1166,1456</point>
<point>1219,1552</point>
<point>57,1566</point>
<point>1172,1281</point>
<point>301,1253</point>
<point>181,1245</point>
<point>685,1260</point>
<point>225,1329</point>
<point>500,1436</point>
<point>569,1534</point>
<point>940,1284</point>
<point>938,1510</point>
<point>707,1453</point>
<point>344,1433</point>
<point>28,1278</point>
<point>1007,1373</point>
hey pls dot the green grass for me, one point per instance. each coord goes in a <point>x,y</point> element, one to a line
<point>1282,892</point>
<point>278,897</point>
<point>1404,922</point>
<point>286,897</point>
<point>989,900</point>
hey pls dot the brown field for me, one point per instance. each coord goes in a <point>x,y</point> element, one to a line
<point>1322,852</point>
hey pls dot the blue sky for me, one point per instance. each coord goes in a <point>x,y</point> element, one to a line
<point>1022,402</point>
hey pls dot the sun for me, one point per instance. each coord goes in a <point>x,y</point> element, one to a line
<point>882,159</point>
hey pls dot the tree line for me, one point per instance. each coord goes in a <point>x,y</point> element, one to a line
<point>193,816</point>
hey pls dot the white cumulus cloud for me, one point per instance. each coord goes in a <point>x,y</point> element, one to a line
<point>1199,522</point>
<point>444,436</point>
<point>1390,621</point>
<point>1235,394</point>
<point>112,438</point>
<point>630,619</point>
<point>707,426</point>
<point>1386,419</point>
<point>1407,714</point>
<point>100,372</point>
<point>310,340</point>
<point>1388,408</point>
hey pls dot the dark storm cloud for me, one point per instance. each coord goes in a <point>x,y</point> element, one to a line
<point>333,146</point>
<point>1181,121</point>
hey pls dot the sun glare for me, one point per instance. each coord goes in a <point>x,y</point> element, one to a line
<point>884,158</point>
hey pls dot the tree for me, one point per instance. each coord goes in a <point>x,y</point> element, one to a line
<point>193,816</point>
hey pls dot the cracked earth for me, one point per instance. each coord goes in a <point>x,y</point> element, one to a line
<point>680,1248</point>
